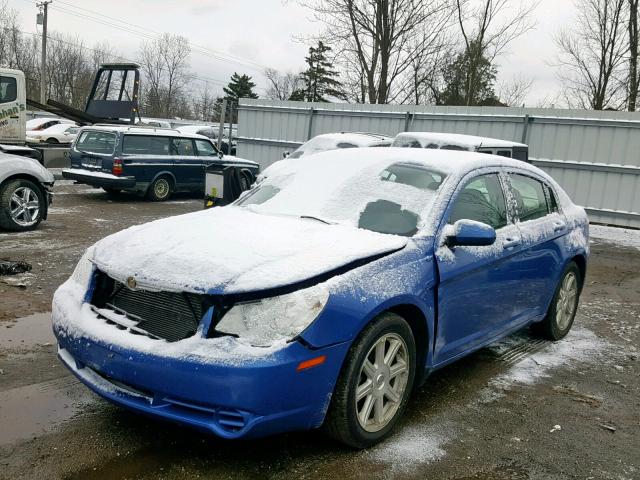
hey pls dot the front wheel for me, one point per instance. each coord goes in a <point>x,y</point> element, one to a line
<point>22,205</point>
<point>564,305</point>
<point>160,189</point>
<point>374,384</point>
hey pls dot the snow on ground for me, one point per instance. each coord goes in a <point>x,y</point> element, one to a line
<point>618,236</point>
<point>579,346</point>
<point>411,446</point>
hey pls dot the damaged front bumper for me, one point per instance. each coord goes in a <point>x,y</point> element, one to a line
<point>233,395</point>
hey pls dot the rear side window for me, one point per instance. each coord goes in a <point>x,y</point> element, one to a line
<point>454,147</point>
<point>145,145</point>
<point>504,153</point>
<point>182,146</point>
<point>413,176</point>
<point>97,142</point>
<point>530,197</point>
<point>205,148</point>
<point>346,145</point>
<point>8,89</point>
<point>482,200</point>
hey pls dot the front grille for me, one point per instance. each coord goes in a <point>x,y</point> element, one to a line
<point>165,315</point>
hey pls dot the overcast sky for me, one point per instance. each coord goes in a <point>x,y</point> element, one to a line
<point>264,32</point>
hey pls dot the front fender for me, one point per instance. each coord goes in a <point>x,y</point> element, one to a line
<point>404,278</point>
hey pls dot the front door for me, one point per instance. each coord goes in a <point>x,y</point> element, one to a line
<point>479,293</point>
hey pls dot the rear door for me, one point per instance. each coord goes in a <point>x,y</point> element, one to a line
<point>188,167</point>
<point>541,227</point>
<point>145,156</point>
<point>478,295</point>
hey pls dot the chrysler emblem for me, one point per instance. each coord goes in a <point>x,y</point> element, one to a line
<point>131,283</point>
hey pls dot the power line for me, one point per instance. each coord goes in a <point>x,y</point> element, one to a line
<point>134,29</point>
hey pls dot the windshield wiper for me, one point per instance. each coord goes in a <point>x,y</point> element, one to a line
<point>311,217</point>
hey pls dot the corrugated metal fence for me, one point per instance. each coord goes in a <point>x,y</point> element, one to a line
<point>595,156</point>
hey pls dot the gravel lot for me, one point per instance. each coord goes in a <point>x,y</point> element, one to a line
<point>521,409</point>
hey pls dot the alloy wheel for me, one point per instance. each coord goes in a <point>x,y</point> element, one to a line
<point>566,303</point>
<point>382,382</point>
<point>24,207</point>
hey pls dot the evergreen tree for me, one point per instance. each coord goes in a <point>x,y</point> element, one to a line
<point>320,80</point>
<point>468,80</point>
<point>240,86</point>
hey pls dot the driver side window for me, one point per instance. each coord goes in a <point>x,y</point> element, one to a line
<point>482,200</point>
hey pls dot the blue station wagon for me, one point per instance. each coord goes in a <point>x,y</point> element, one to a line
<point>325,294</point>
<point>149,161</point>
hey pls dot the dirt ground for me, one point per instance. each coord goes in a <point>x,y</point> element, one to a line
<point>521,409</point>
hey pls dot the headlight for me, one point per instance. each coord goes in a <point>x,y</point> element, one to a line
<point>82,273</point>
<point>265,322</point>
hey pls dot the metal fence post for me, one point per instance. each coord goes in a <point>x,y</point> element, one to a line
<point>525,129</point>
<point>223,111</point>
<point>310,125</point>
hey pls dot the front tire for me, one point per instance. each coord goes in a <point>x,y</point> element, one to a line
<point>22,205</point>
<point>375,383</point>
<point>564,305</point>
<point>160,189</point>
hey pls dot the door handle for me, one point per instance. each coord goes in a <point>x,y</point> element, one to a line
<point>511,242</point>
<point>557,226</point>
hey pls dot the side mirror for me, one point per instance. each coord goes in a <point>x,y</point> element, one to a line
<point>470,233</point>
<point>285,154</point>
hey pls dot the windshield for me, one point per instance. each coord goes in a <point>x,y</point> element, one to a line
<point>385,197</point>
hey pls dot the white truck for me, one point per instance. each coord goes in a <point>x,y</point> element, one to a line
<point>13,114</point>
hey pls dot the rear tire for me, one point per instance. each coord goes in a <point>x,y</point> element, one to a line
<point>52,141</point>
<point>160,189</point>
<point>564,305</point>
<point>372,390</point>
<point>22,205</point>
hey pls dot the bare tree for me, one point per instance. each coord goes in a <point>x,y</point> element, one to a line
<point>487,28</point>
<point>165,63</point>
<point>204,105</point>
<point>514,92</point>
<point>634,43</point>
<point>375,42</point>
<point>282,85</point>
<point>592,54</point>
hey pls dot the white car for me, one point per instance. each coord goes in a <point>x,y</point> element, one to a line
<point>326,142</point>
<point>38,124</point>
<point>60,133</point>
<point>24,192</point>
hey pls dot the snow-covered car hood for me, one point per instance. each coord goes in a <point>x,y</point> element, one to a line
<point>228,250</point>
<point>14,164</point>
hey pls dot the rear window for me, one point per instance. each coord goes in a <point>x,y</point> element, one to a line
<point>145,145</point>
<point>97,142</point>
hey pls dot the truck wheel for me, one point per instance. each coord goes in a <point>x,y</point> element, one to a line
<point>160,189</point>
<point>374,384</point>
<point>22,205</point>
<point>564,305</point>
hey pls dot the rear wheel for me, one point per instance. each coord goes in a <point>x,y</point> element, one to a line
<point>52,140</point>
<point>564,305</point>
<point>160,189</point>
<point>374,384</point>
<point>22,205</point>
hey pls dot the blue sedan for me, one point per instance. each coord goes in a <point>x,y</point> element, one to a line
<point>325,294</point>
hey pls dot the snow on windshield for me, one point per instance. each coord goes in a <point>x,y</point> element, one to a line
<point>384,196</point>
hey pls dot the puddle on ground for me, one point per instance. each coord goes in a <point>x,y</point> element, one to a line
<point>29,411</point>
<point>27,332</point>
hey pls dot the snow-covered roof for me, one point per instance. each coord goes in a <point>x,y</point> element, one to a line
<point>457,139</point>
<point>143,130</point>
<point>193,128</point>
<point>362,139</point>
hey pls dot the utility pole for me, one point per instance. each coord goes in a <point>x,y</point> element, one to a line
<point>43,6</point>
